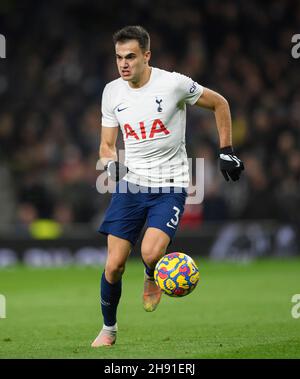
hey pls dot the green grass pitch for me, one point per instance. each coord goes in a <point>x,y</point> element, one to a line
<point>237,311</point>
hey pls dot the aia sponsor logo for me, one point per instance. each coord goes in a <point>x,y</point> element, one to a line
<point>141,134</point>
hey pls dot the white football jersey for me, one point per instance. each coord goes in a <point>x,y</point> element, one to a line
<point>152,119</point>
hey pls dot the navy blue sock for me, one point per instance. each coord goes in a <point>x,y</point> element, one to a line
<point>149,271</point>
<point>110,296</point>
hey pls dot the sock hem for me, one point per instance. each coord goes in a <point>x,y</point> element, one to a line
<point>113,328</point>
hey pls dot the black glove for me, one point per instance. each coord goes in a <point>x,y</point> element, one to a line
<point>115,170</point>
<point>230,165</point>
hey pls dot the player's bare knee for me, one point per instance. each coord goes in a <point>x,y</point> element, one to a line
<point>152,254</point>
<point>114,272</point>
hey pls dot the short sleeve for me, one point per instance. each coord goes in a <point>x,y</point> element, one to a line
<point>189,91</point>
<point>108,116</point>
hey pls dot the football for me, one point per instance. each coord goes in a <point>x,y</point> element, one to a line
<point>176,274</point>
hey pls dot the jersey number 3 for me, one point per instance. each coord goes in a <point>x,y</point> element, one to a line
<point>174,221</point>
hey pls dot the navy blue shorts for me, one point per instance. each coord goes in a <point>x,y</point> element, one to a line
<point>130,210</point>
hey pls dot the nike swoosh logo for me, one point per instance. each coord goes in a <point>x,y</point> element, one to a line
<point>230,158</point>
<point>237,162</point>
<point>225,157</point>
<point>170,226</point>
<point>122,109</point>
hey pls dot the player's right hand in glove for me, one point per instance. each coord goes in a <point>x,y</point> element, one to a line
<point>115,170</point>
<point>230,165</point>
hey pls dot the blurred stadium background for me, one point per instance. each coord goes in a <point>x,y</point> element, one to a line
<point>60,56</point>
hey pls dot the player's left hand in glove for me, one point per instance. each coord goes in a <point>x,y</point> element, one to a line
<point>230,165</point>
<point>115,170</point>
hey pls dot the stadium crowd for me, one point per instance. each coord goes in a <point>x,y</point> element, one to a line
<point>59,57</point>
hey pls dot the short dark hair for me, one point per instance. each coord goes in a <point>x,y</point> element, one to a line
<point>133,32</point>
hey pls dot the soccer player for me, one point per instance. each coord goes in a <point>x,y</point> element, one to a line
<point>149,106</point>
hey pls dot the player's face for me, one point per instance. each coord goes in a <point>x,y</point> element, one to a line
<point>131,60</point>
